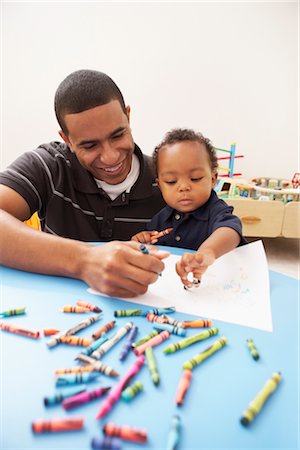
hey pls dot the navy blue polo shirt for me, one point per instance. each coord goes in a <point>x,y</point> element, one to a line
<point>191,230</point>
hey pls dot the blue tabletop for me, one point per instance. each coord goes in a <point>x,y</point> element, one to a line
<point>220,390</point>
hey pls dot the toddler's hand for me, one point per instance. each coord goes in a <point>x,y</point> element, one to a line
<point>195,263</point>
<point>145,237</point>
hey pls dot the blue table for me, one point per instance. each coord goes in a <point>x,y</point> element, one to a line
<point>220,390</point>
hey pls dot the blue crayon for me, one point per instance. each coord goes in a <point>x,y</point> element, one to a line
<point>60,396</point>
<point>160,311</point>
<point>91,348</point>
<point>171,328</point>
<point>174,433</point>
<point>106,443</point>
<point>76,378</point>
<point>127,345</point>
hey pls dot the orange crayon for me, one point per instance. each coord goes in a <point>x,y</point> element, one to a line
<point>76,369</point>
<point>160,234</point>
<point>155,318</point>
<point>125,432</point>
<point>21,331</point>
<point>183,386</point>
<point>75,309</point>
<point>50,331</point>
<point>197,324</point>
<point>57,425</point>
<point>89,306</point>
<point>75,340</point>
<point>104,329</point>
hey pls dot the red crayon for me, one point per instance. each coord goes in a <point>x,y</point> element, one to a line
<point>57,425</point>
<point>19,330</point>
<point>183,386</point>
<point>125,432</point>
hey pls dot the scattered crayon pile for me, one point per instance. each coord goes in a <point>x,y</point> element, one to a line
<point>143,351</point>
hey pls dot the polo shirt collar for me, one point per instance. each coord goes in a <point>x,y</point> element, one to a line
<point>201,214</point>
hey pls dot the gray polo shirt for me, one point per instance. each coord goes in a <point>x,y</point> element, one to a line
<point>68,201</point>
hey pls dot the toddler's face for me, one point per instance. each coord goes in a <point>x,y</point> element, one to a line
<point>185,176</point>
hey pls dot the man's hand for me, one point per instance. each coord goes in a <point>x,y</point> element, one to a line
<point>120,269</point>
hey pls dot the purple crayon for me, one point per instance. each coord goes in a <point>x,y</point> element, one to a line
<point>106,443</point>
<point>127,346</point>
<point>84,397</point>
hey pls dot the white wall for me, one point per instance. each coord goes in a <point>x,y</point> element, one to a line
<point>228,70</point>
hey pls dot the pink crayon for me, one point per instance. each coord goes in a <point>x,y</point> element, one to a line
<point>84,397</point>
<point>152,342</point>
<point>115,393</point>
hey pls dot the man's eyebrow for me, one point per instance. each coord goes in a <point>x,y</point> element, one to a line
<point>117,130</point>
<point>88,142</point>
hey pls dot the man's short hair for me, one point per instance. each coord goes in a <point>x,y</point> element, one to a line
<point>83,90</point>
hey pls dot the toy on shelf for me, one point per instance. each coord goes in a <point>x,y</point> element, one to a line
<point>232,156</point>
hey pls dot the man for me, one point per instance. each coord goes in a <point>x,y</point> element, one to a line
<point>96,186</point>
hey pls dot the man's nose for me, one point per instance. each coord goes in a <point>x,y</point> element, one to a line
<point>109,155</point>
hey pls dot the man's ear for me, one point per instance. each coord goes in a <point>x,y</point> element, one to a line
<point>128,113</point>
<point>65,139</point>
<point>214,179</point>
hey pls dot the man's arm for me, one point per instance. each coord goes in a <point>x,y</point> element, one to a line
<point>116,268</point>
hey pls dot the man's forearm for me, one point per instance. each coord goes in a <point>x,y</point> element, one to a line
<point>22,247</point>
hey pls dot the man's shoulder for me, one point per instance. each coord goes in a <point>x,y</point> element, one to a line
<point>54,148</point>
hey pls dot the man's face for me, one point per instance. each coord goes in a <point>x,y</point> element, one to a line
<point>102,141</point>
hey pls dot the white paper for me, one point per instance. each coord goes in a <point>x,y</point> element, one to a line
<point>234,289</point>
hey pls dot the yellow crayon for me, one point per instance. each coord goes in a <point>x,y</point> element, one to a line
<point>258,402</point>
<point>200,357</point>
<point>75,309</point>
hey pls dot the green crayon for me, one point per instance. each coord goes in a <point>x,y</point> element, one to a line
<point>256,405</point>
<point>131,391</point>
<point>144,339</point>
<point>127,312</point>
<point>152,365</point>
<point>200,357</point>
<point>13,312</point>
<point>252,348</point>
<point>191,340</point>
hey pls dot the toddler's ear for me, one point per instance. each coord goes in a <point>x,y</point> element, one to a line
<point>214,179</point>
<point>157,182</point>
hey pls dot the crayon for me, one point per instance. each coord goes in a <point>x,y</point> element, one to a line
<point>112,341</point>
<point>76,340</point>
<point>75,369</point>
<point>200,357</point>
<point>183,386</point>
<point>58,397</point>
<point>191,340</point>
<point>155,318</point>
<point>50,331</point>
<point>174,433</point>
<point>94,345</point>
<point>84,324</point>
<point>74,309</point>
<point>131,391</point>
<point>144,339</point>
<point>125,432</point>
<point>160,234</point>
<point>97,365</point>
<point>57,425</point>
<point>13,312</point>
<point>104,329</point>
<point>88,305</point>
<point>115,393</point>
<point>150,358</point>
<point>171,321</point>
<point>161,311</point>
<point>127,345</point>
<point>156,340</point>
<point>21,331</point>
<point>84,397</point>
<point>75,378</point>
<point>171,328</point>
<point>197,324</point>
<point>256,405</point>
<point>106,443</point>
<point>252,349</point>
<point>127,312</point>
<point>144,249</point>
